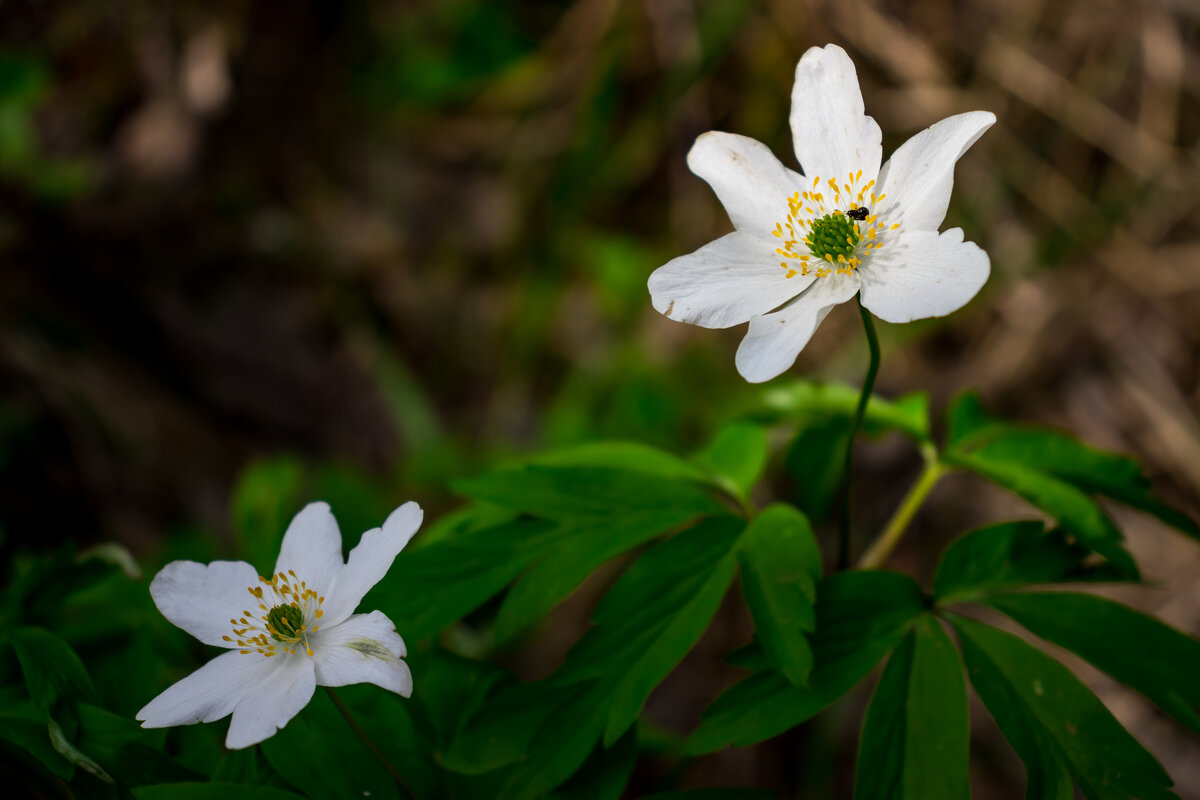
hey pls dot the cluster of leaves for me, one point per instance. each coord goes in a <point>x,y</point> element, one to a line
<point>541,526</point>
<point>685,530</point>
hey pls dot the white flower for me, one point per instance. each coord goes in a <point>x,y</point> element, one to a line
<point>804,243</point>
<point>287,634</point>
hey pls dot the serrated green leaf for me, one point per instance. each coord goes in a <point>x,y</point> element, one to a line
<point>678,577</point>
<point>1017,682</point>
<point>1061,456</point>
<point>860,617</point>
<point>1046,778</point>
<point>1074,509</point>
<point>965,420</point>
<point>503,731</point>
<point>211,791</point>
<point>657,636</point>
<point>605,773</point>
<point>909,414</point>
<point>1157,660</point>
<point>736,456</point>
<point>52,670</point>
<point>561,746</point>
<point>915,734</point>
<point>581,492</point>
<point>71,753</point>
<point>319,755</point>
<point>815,462</point>
<point>26,725</point>
<point>1092,470</point>
<point>780,569</point>
<point>237,766</point>
<point>1010,555</point>
<point>432,586</point>
<point>630,456</point>
<point>121,746</point>
<point>453,690</point>
<point>590,543</point>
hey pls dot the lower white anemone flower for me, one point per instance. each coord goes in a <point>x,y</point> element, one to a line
<point>285,634</point>
<point>805,243</point>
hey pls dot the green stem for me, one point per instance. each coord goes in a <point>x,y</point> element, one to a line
<point>877,554</point>
<point>361,734</point>
<point>859,411</point>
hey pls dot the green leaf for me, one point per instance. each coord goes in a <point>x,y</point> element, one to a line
<point>1157,660</point>
<point>629,456</point>
<point>211,791</point>
<point>860,617</point>
<point>52,670</point>
<point>561,746</point>
<point>1094,471</point>
<point>503,731</point>
<point>909,414</point>
<point>966,422</point>
<point>814,463</point>
<point>652,617</point>
<point>26,725</point>
<point>581,492</point>
<point>915,734</point>
<point>1037,702</point>
<point>73,754</point>
<point>780,569</point>
<point>589,543</point>
<point>1008,556</point>
<point>319,755</point>
<point>432,586</point>
<point>121,746</point>
<point>453,688</point>
<point>1061,456</point>
<point>1046,778</point>
<point>605,773</point>
<point>1074,509</point>
<point>736,456</point>
<point>237,766</point>
<point>267,495</point>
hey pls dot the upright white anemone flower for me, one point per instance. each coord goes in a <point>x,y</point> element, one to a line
<point>285,634</point>
<point>804,243</point>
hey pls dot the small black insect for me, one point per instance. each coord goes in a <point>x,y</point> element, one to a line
<point>859,213</point>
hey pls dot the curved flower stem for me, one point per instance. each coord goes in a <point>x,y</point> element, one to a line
<point>877,554</point>
<point>361,734</point>
<point>859,411</point>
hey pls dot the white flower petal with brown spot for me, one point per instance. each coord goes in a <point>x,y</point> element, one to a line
<point>806,242</point>
<point>287,634</point>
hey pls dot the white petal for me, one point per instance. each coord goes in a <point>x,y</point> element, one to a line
<point>207,695</point>
<point>918,177</point>
<point>369,561</point>
<point>724,283</point>
<point>923,274</point>
<point>363,649</point>
<point>831,133</point>
<point>274,694</point>
<point>747,177</point>
<point>774,340</point>
<point>312,547</point>
<point>202,598</point>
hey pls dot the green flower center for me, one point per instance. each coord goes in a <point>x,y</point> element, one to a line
<point>821,236</point>
<point>285,623</point>
<point>833,237</point>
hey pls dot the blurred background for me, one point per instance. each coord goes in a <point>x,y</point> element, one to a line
<point>364,248</point>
